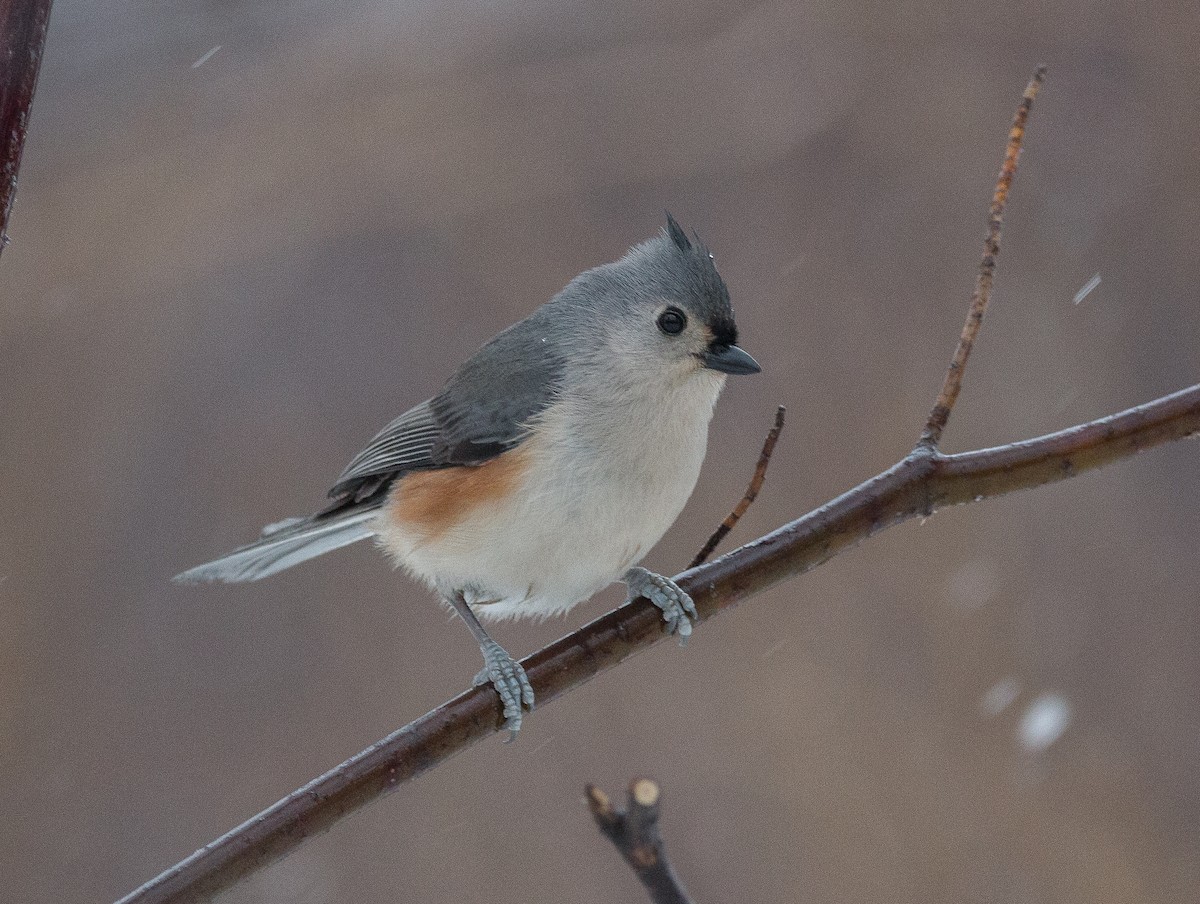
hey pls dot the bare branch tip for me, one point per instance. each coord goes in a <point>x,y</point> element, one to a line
<point>952,382</point>
<point>644,792</point>
<point>756,482</point>
<point>1034,86</point>
<point>599,803</point>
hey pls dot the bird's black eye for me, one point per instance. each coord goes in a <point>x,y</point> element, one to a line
<point>672,321</point>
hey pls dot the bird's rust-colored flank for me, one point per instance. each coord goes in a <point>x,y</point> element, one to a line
<point>433,502</point>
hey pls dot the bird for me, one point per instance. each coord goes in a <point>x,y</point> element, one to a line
<point>549,463</point>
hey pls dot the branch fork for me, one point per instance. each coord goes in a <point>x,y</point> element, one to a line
<point>634,833</point>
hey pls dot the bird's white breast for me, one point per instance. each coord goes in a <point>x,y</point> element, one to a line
<point>602,481</point>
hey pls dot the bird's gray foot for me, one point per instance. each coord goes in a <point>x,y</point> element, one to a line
<point>508,677</point>
<point>678,610</point>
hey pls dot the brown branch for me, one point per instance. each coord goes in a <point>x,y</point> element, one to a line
<point>22,38</point>
<point>922,482</point>
<point>918,485</point>
<point>952,385</point>
<point>756,482</point>
<point>634,833</point>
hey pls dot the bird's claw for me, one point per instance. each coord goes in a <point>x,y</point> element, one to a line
<point>508,677</point>
<point>678,610</point>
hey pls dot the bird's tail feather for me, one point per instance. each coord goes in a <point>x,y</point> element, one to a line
<point>283,545</point>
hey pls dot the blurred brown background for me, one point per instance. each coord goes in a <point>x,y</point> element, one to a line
<point>226,276</point>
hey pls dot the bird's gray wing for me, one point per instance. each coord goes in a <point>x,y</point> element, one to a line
<point>484,408</point>
<point>480,412</point>
<point>406,444</point>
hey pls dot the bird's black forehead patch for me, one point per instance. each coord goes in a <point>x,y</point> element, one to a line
<point>724,332</point>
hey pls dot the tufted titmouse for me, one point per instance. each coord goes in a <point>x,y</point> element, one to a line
<point>550,463</point>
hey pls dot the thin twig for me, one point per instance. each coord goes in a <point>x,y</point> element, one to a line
<point>634,833</point>
<point>22,37</point>
<point>756,482</point>
<point>952,385</point>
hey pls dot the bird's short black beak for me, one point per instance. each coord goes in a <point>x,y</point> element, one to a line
<point>729,359</point>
